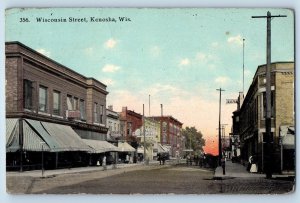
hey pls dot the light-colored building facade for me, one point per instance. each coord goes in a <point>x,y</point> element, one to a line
<point>249,120</point>
<point>113,125</point>
<point>152,137</point>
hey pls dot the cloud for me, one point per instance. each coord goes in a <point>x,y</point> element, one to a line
<point>111,43</point>
<point>184,62</point>
<point>222,80</point>
<point>110,68</point>
<point>205,58</point>
<point>44,52</point>
<point>89,51</point>
<point>159,88</point>
<point>155,51</point>
<point>247,72</point>
<point>215,44</point>
<point>108,81</point>
<point>236,40</point>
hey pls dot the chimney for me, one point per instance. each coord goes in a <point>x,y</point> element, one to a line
<point>124,109</point>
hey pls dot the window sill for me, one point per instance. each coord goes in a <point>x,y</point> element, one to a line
<point>57,116</point>
<point>43,113</point>
<point>28,110</point>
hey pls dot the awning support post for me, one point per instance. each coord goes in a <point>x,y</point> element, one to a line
<point>21,143</point>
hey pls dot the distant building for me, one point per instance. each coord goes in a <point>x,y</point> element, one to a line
<point>113,125</point>
<point>249,120</point>
<point>130,121</point>
<point>47,106</point>
<point>170,134</point>
<point>152,135</point>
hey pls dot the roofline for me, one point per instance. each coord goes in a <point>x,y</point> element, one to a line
<point>256,75</point>
<point>53,61</point>
<point>273,63</point>
<point>166,116</point>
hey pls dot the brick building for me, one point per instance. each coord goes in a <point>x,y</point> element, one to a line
<point>170,134</point>
<point>130,122</point>
<point>249,120</point>
<point>42,94</point>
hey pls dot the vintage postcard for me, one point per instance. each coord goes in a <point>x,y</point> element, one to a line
<point>150,101</point>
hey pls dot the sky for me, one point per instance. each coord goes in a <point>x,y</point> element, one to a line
<point>177,56</point>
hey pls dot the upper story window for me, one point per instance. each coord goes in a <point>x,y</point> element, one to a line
<point>28,94</point>
<point>82,109</point>
<point>96,113</point>
<point>69,102</point>
<point>43,99</point>
<point>101,113</point>
<point>56,103</point>
<point>76,103</point>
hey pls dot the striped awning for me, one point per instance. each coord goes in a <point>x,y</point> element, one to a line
<point>125,147</point>
<point>99,146</point>
<point>31,140</point>
<point>38,136</point>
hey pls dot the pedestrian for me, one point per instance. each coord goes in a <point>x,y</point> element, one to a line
<point>104,161</point>
<point>127,159</point>
<point>163,159</point>
<point>249,163</point>
<point>159,158</point>
<point>223,165</point>
<point>187,159</point>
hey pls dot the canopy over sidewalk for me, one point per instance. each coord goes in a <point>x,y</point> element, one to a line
<point>99,146</point>
<point>42,136</point>
<point>125,147</point>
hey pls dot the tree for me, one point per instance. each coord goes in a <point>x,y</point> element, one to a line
<point>193,139</point>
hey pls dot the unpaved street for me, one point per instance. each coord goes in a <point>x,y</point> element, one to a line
<point>158,180</point>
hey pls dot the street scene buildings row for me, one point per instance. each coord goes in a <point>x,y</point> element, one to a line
<point>54,110</point>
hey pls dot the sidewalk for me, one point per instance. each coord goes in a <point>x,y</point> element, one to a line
<point>235,170</point>
<point>50,173</point>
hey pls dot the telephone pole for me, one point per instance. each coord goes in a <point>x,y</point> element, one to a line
<point>144,134</point>
<point>220,140</point>
<point>269,145</point>
<point>243,64</point>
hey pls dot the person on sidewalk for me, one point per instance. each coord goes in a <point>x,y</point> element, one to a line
<point>253,168</point>
<point>223,165</point>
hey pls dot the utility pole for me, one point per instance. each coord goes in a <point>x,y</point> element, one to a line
<point>269,145</point>
<point>149,105</point>
<point>144,135</point>
<point>220,142</point>
<point>243,65</point>
<point>21,142</point>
